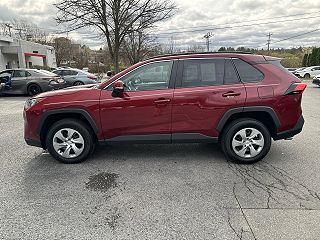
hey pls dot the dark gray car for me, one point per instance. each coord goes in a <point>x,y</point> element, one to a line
<point>30,81</point>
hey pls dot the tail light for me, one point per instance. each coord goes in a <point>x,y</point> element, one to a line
<point>92,77</point>
<point>296,88</point>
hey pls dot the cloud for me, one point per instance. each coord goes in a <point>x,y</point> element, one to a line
<point>202,15</point>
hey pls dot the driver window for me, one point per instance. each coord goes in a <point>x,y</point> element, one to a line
<point>154,76</point>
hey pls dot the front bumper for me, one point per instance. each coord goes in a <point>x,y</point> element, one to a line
<point>291,132</point>
<point>316,81</point>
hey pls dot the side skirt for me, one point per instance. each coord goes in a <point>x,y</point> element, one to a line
<point>162,138</point>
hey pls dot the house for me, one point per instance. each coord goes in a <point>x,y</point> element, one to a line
<point>17,53</point>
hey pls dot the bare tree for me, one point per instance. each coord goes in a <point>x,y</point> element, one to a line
<point>114,19</point>
<point>62,48</point>
<point>139,45</point>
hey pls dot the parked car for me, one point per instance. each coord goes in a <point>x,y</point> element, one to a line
<point>308,72</point>
<point>241,101</point>
<point>76,77</point>
<point>31,81</point>
<point>316,80</point>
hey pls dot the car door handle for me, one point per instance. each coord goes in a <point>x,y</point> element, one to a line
<point>162,101</point>
<point>231,94</point>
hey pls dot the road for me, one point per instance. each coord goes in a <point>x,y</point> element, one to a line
<point>186,191</point>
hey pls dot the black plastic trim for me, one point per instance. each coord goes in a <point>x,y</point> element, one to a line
<point>269,110</point>
<point>162,138</point>
<point>152,138</point>
<point>192,138</point>
<point>83,112</point>
<point>291,132</point>
<point>226,116</point>
<point>232,111</point>
<point>173,75</point>
<point>34,143</point>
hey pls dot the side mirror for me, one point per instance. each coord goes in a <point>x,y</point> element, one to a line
<point>118,89</point>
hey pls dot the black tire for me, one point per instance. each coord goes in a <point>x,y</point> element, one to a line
<point>78,83</point>
<point>82,129</point>
<point>230,133</point>
<point>307,75</point>
<point>34,89</point>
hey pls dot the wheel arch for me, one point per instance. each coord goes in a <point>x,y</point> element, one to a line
<point>53,116</point>
<point>265,115</point>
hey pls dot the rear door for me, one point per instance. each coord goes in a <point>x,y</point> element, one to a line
<point>205,90</point>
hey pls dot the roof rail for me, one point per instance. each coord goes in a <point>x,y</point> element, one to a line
<point>195,53</point>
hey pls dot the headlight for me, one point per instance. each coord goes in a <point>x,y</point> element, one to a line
<point>31,102</point>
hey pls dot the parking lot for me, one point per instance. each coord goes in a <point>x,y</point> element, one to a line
<point>186,191</point>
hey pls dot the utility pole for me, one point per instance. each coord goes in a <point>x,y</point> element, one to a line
<point>269,40</point>
<point>7,25</point>
<point>207,37</point>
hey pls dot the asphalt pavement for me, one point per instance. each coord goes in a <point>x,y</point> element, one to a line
<point>185,191</point>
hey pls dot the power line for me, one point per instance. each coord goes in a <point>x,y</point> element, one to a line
<point>254,20</point>
<point>302,34</point>
<point>237,26</point>
<point>292,37</point>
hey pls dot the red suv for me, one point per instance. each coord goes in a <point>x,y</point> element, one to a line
<point>239,100</point>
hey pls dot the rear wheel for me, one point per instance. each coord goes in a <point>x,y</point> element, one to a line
<point>70,141</point>
<point>78,83</point>
<point>307,75</point>
<point>246,141</point>
<point>34,89</point>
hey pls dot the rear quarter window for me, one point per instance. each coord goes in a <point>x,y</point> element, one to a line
<point>247,72</point>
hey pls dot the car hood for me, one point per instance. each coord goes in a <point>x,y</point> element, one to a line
<point>67,91</point>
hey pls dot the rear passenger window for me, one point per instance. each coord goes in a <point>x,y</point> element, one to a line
<point>202,72</point>
<point>247,72</point>
<point>230,74</point>
<point>21,73</point>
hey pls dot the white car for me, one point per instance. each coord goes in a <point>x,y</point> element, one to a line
<point>308,72</point>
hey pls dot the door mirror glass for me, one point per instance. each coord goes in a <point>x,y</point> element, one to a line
<point>118,89</point>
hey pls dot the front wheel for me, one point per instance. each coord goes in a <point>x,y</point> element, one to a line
<point>246,141</point>
<point>70,141</point>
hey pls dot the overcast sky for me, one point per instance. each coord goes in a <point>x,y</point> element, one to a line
<point>206,16</point>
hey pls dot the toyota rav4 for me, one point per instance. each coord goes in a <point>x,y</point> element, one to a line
<point>241,101</point>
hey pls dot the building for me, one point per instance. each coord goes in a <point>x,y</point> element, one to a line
<point>17,53</point>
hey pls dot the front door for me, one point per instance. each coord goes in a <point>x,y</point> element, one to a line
<point>205,90</point>
<point>144,112</point>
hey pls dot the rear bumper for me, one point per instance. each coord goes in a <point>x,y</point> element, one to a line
<point>291,132</point>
